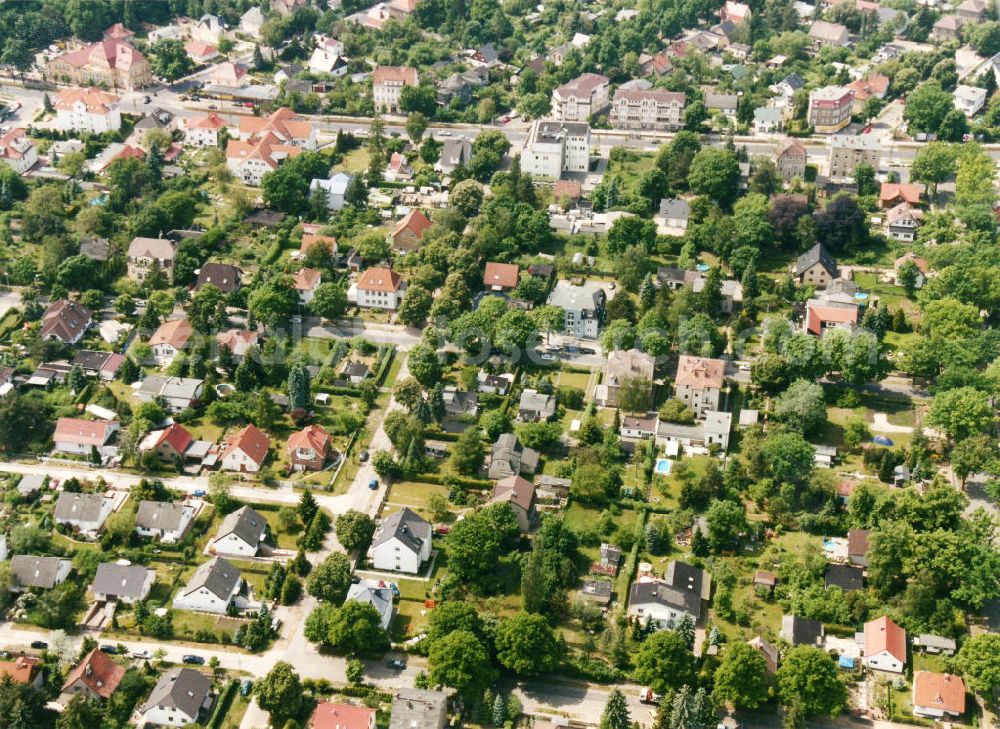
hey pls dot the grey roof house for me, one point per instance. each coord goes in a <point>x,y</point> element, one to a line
<point>419,709</point>
<point>212,589</point>
<point>801,631</point>
<point>536,406</point>
<point>379,595</point>
<point>43,573</point>
<point>240,534</point>
<point>127,583</point>
<point>178,697</point>
<point>510,458</point>
<point>402,542</point>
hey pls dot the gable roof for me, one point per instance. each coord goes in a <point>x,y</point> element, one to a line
<point>120,580</point>
<point>306,279</point>
<point>21,670</point>
<point>95,100</point>
<point>906,193</point>
<point>699,372</point>
<point>175,333</point>
<point>209,121</point>
<point>380,279</point>
<point>940,691</point>
<point>177,436</point>
<point>29,570</point>
<point>97,672</point>
<point>791,148</point>
<point>501,274</point>
<point>245,523</point>
<point>83,432</point>
<point>816,316</point>
<point>395,75</point>
<point>223,276</point>
<point>801,631</point>
<point>182,688</point>
<point>284,124</point>
<point>159,515</point>
<point>415,221</point>
<point>218,576</point>
<point>515,490</point>
<point>883,634</point>
<point>817,254</point>
<point>161,249</point>
<point>65,320</point>
<point>252,441</point>
<point>311,437</point>
<point>79,506</point>
<point>660,593</point>
<point>857,542</point>
<point>407,526</point>
<point>330,715</point>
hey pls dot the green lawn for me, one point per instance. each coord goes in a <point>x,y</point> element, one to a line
<point>578,380</point>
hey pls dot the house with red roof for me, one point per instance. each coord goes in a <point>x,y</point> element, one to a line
<point>329,715</point>
<point>77,436</point>
<point>203,131</point>
<point>822,316</point>
<point>892,194</point>
<point>169,339</point>
<point>66,321</point>
<point>309,448</point>
<point>305,282</point>
<point>246,451</point>
<point>200,52</point>
<point>380,288</point>
<point>250,160</point>
<point>18,151</point>
<point>112,63</point>
<point>885,646</point>
<point>310,240</point>
<point>25,670</point>
<point>87,110</point>
<point>500,276</point>
<point>95,677</point>
<point>285,125</point>
<point>238,341</point>
<point>938,695</point>
<point>698,383</point>
<point>168,444</point>
<point>407,234</point>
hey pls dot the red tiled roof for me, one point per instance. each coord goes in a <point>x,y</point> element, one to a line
<point>857,542</point>
<point>65,320</point>
<point>700,372</point>
<point>176,333</point>
<point>83,432</point>
<point>940,691</point>
<point>306,280</point>
<point>920,263</point>
<point>311,437</point>
<point>98,672</point>
<point>884,635</point>
<point>501,274</point>
<point>20,670</point>
<point>415,221</point>
<point>209,121</point>
<point>329,715</point>
<point>816,316</point>
<point>380,279</point>
<point>110,53</point>
<point>395,74</point>
<point>177,436</point>
<point>309,240</point>
<point>907,193</point>
<point>874,85</point>
<point>285,124</point>
<point>252,441</point>
<point>97,101</point>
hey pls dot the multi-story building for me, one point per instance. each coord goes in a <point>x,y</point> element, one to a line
<point>647,109</point>
<point>556,147</point>
<point>380,288</point>
<point>87,110</point>
<point>829,35</point>
<point>18,151</point>
<point>388,83</point>
<point>847,152</point>
<point>791,159</point>
<point>583,307</point>
<point>969,100</point>
<point>579,99</point>
<point>830,108</point>
<point>203,131</point>
<point>254,158</point>
<point>143,253</point>
<point>698,383</point>
<point>284,125</point>
<point>113,63</point>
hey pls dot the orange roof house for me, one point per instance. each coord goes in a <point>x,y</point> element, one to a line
<point>885,645</point>
<point>409,231</point>
<point>174,440</point>
<point>287,126</point>
<point>309,448</point>
<point>23,669</point>
<point>247,451</point>
<point>383,280</point>
<point>700,372</point>
<point>500,276</point>
<point>821,318</point>
<point>937,694</point>
<point>329,715</point>
<point>170,338</point>
<point>893,193</point>
<point>95,677</point>
<point>309,240</point>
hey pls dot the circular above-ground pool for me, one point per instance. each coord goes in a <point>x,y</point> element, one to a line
<point>663,466</point>
<point>702,267</point>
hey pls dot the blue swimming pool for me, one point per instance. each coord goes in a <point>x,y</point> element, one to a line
<point>663,466</point>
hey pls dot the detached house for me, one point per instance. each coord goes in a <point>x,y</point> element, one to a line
<point>583,307</point>
<point>127,583</point>
<point>816,267</point>
<point>902,222</point>
<point>305,281</point>
<point>163,520</point>
<point>174,443</point>
<point>95,677</point>
<point>203,131</point>
<point>18,151</point>
<point>65,321</point>
<point>178,698</point>
<point>668,601</point>
<point>938,695</point>
<point>28,571</point>
<point>500,276</point>
<point>401,543</point>
<point>388,83</point>
<point>223,276</point>
<point>409,231</point>
<point>329,715</point>
<point>247,451</point>
<point>309,449</point>
<point>580,98</point>
<point>892,194</point>
<point>801,631</point>
<point>169,340</point>
<point>698,383</point>
<point>146,253</point>
<point>212,589</point>
<point>380,288</point>
<point>536,407</point>
<point>791,159</point>
<point>885,646</point>
<point>177,393</point>
<point>510,458</point>
<point>24,670</point>
<point>519,494</point>
<point>240,534</point>
<point>87,110</point>
<point>379,595</point>
<point>79,437</point>
<point>624,366</point>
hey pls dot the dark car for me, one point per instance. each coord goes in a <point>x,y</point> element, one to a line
<point>111,650</point>
<point>587,350</point>
<point>363,457</point>
<point>396,664</point>
<point>194,660</point>
<point>39,644</point>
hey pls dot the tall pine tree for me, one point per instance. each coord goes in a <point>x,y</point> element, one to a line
<point>616,714</point>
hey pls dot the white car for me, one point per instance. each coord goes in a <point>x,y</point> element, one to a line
<point>141,655</point>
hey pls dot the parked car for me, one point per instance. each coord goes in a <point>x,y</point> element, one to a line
<point>373,484</point>
<point>193,660</point>
<point>142,655</point>
<point>111,650</point>
<point>246,685</point>
<point>587,350</point>
<point>363,457</point>
<point>39,644</point>
<point>396,664</point>
<point>200,493</point>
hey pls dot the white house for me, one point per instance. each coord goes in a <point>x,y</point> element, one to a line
<point>380,288</point>
<point>885,646</point>
<point>18,151</point>
<point>579,98</point>
<point>240,534</point>
<point>335,189</point>
<point>247,451</point>
<point>698,383</point>
<point>555,147</point>
<point>203,131</point>
<point>251,22</point>
<point>170,338</point>
<point>938,695</point>
<point>212,589</point>
<point>305,282</point>
<point>78,437</point>
<point>177,393</point>
<point>84,512</point>
<point>178,698</point>
<point>163,520</point>
<point>122,582</point>
<point>583,307</point>
<point>165,32</point>
<point>668,601</point>
<point>902,222</point>
<point>208,29</point>
<point>388,83</point>
<point>401,543</point>
<point>87,110</point>
<point>969,100</point>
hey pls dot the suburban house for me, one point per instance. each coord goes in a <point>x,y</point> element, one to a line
<point>536,407</point>
<point>672,217</point>
<point>80,437</point>
<point>200,52</point>
<point>668,601</point>
<point>104,365</point>
<point>791,159</point>
<point>816,267</point>
<point>334,188</point>
<point>767,120</point>
<point>212,588</point>
<point>84,512</point>
<point>555,147</point>
<point>127,583</point>
<point>624,367</point>
<point>801,631</point>
<point>935,644</point>
<point>938,695</point>
<point>857,546</point>
<point>95,677</point>
<point>892,194</point>
<point>830,108</point>
<point>249,160</point>
<point>969,100</point>
<point>203,131</point>
<point>947,27</point>
<point>247,451</point>
<point>285,127</point>
<point>829,35</point>
<point>163,520</point>
<point>583,306</point>
<point>309,448</point>
<point>875,85</point>
<point>18,151</point>
<point>510,458</point>
<point>87,110</point>
<point>724,104</point>
<point>885,646</point>
<point>419,709</point>
<point>454,153</point>
<point>822,315</point>
<point>177,699</point>
<point>177,393</point>
<point>240,534</point>
<point>330,715</point>
<point>638,426</point>
<point>112,62</point>
<point>500,276</point>
<point>175,444</point>
<point>25,670</point>
<point>380,288</point>
<point>973,11</point>
<point>698,383</point>
<point>731,292</point>
<point>902,222</point>
<point>305,282</point>
<point>579,99</point>
<point>223,276</point>
<point>458,403</point>
<point>769,651</point>
<point>519,494</point>
<point>169,339</point>
<point>388,83</point>
<point>29,571</point>
<point>312,240</point>
<point>736,13</point>
<point>401,542</point>
<point>65,321</point>
<point>146,253</point>
<point>409,231</point>
<point>238,341</point>
<point>713,429</point>
<point>493,384</point>
<point>379,595</point>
